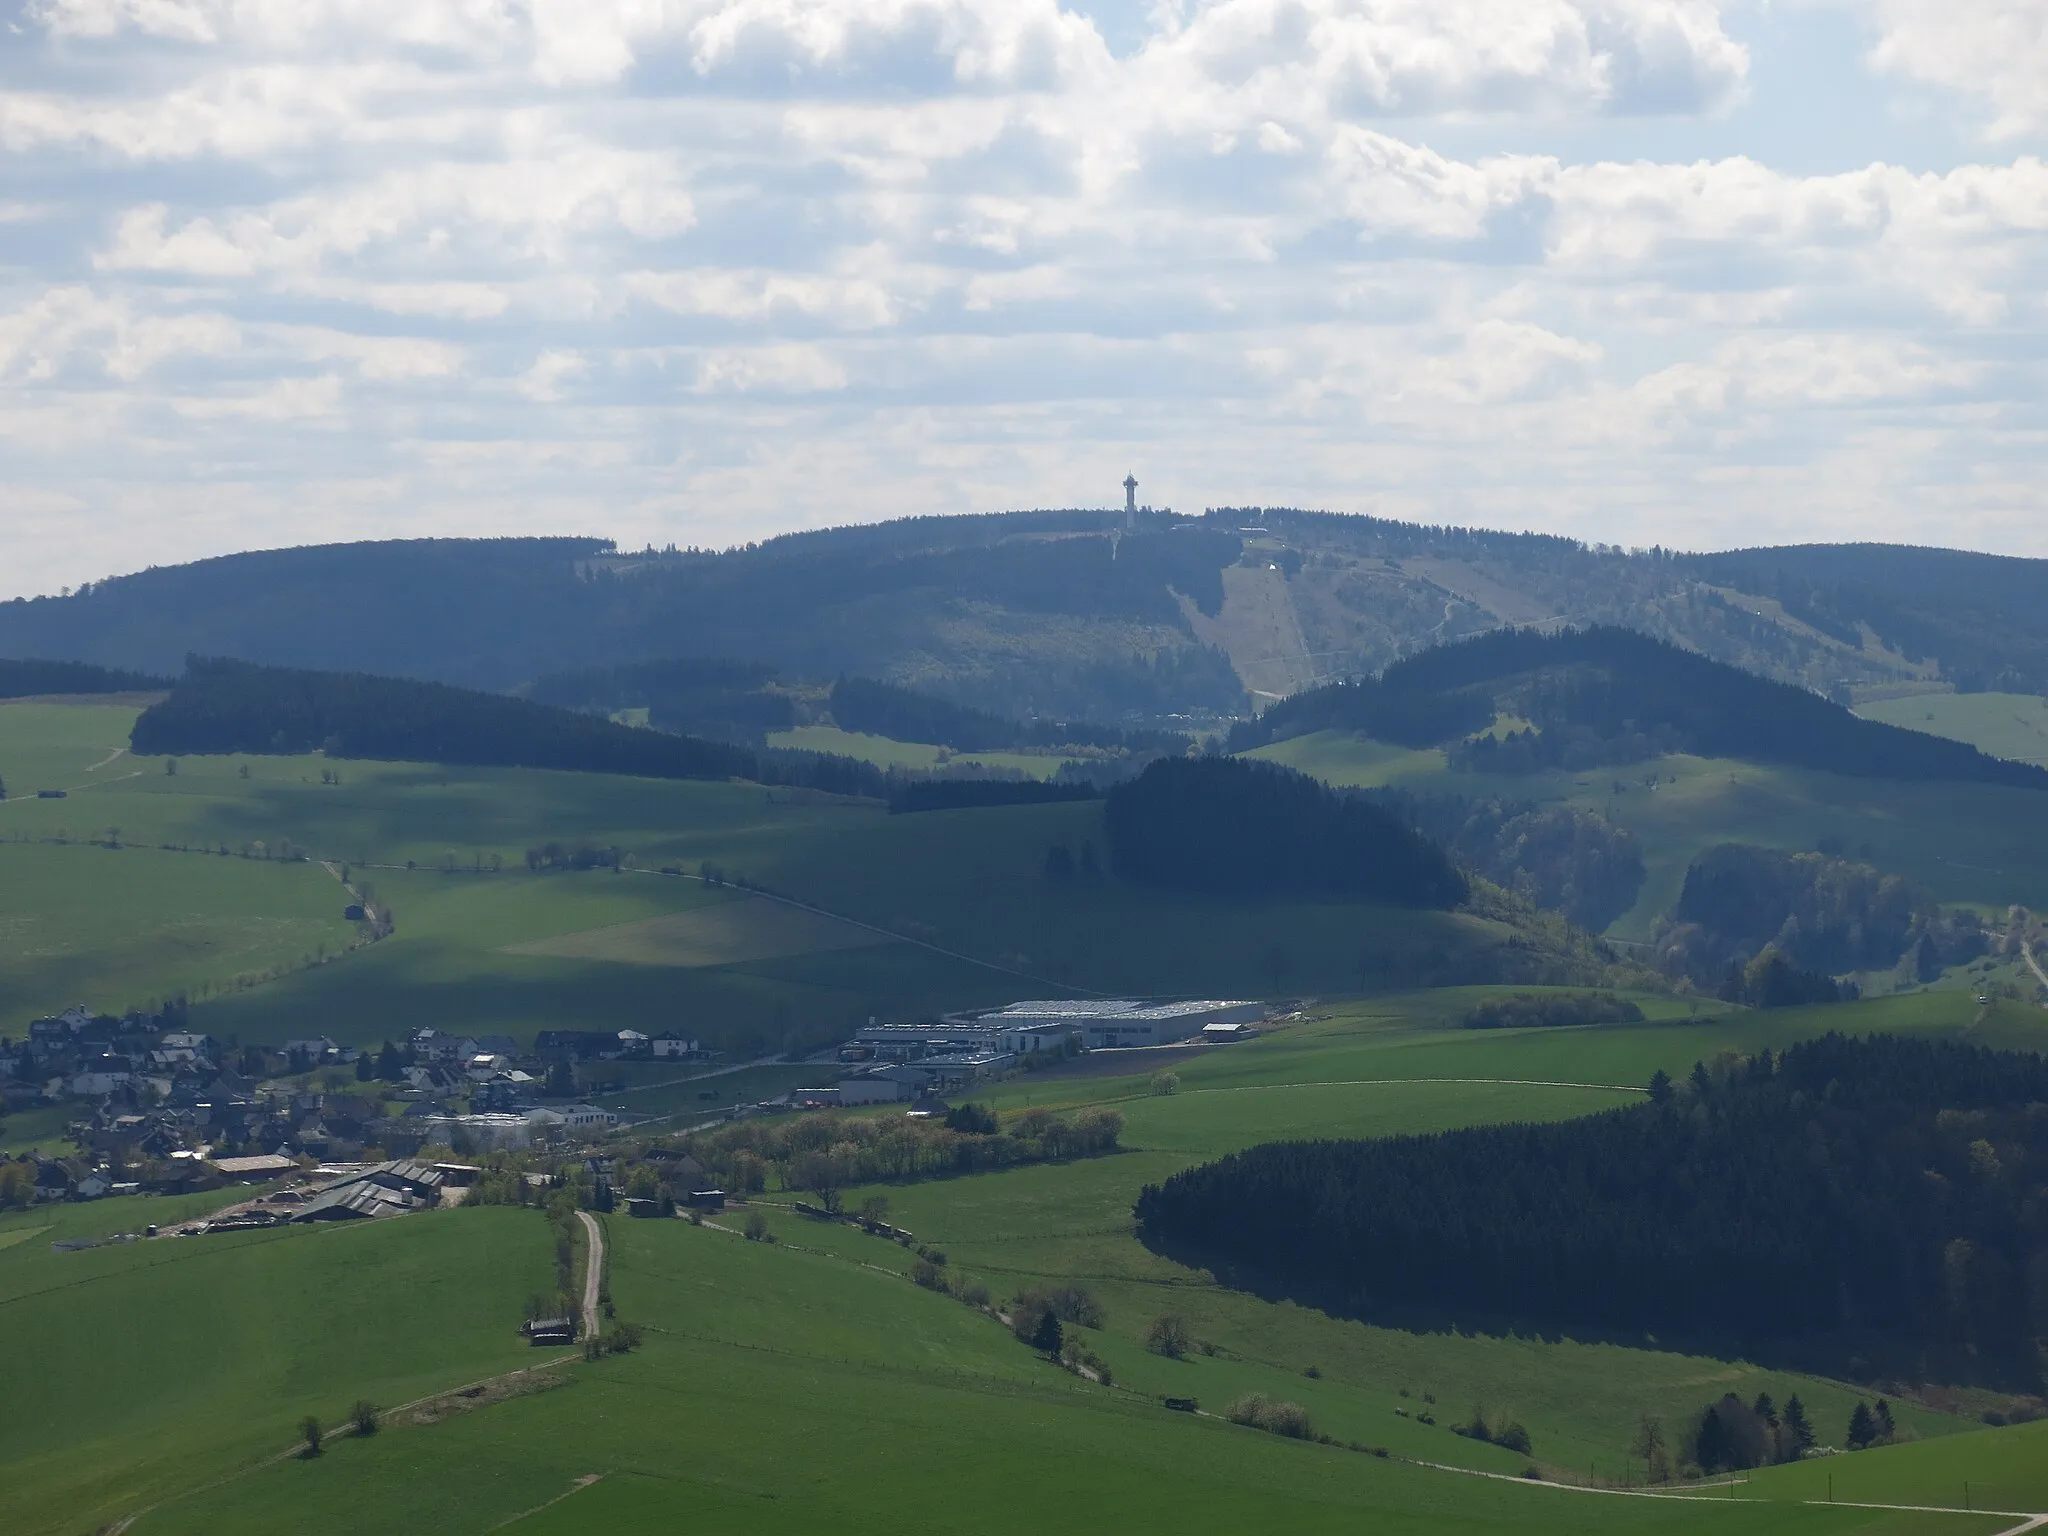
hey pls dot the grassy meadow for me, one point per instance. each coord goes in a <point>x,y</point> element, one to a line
<point>499,949</point>
<point>2013,725</point>
<point>783,1388</point>
<point>884,752</point>
<point>808,1382</point>
<point>149,1369</point>
<point>1385,1067</point>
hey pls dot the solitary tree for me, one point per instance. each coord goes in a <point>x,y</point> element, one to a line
<point>1797,1429</point>
<point>1862,1427</point>
<point>1660,1086</point>
<point>1049,1337</point>
<point>1649,1445</point>
<point>1168,1336</point>
<point>364,1416</point>
<point>309,1431</point>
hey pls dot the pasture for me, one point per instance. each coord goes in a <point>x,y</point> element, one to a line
<point>885,752</point>
<point>485,945</point>
<point>1385,1067</point>
<point>787,1390</point>
<point>129,927</point>
<point>2013,725</point>
<point>152,1368</point>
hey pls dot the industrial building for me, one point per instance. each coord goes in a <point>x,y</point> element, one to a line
<point>1105,1024</point>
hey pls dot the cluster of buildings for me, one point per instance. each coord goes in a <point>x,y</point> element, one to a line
<point>913,1061</point>
<point>171,1110</point>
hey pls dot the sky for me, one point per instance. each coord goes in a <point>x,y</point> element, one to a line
<point>1676,272</point>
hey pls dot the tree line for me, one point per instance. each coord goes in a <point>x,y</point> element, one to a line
<point>1238,827</point>
<point>27,679</point>
<point>222,706</point>
<point>1612,695</point>
<point>1860,1206</point>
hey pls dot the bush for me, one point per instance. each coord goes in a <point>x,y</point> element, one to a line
<point>1068,1303</point>
<point>1169,1336</point>
<point>309,1431</point>
<point>929,1275</point>
<point>975,1295</point>
<point>1165,1084</point>
<point>757,1228</point>
<point>364,1417</point>
<point>1255,1410</point>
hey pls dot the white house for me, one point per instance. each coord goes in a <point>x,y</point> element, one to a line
<point>669,1043</point>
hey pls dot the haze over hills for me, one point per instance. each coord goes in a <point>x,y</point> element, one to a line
<point>1068,613</point>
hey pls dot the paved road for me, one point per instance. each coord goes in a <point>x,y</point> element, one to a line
<point>593,1272</point>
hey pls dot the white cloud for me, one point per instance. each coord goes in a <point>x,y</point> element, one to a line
<point>769,262</point>
<point>1996,50</point>
<point>551,371</point>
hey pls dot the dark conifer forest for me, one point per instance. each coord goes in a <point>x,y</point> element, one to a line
<point>1233,827</point>
<point>1861,1206</point>
<point>221,706</point>
<point>1609,695</point>
<point>29,679</point>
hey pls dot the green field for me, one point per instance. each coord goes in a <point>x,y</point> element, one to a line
<point>884,752</point>
<point>1386,1067</point>
<point>2013,725</point>
<point>129,927</point>
<point>782,1385</point>
<point>785,1391</point>
<point>149,1369</point>
<point>504,951</point>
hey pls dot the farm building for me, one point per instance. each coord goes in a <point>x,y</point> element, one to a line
<point>388,1189</point>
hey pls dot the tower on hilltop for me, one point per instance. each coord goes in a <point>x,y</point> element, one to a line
<point>1130,498</point>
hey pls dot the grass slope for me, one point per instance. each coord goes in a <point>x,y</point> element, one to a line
<point>1387,1067</point>
<point>145,1370</point>
<point>2013,725</point>
<point>958,883</point>
<point>127,928</point>
<point>788,1391</point>
<point>885,752</point>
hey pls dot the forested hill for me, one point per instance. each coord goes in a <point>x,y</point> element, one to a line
<point>223,706</point>
<point>1063,615</point>
<point>1983,618</point>
<point>1256,831</point>
<point>1613,696</point>
<point>1856,1206</point>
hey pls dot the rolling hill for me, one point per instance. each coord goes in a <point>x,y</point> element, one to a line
<point>1064,614</point>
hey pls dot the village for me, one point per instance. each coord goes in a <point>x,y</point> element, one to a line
<point>159,1108</point>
